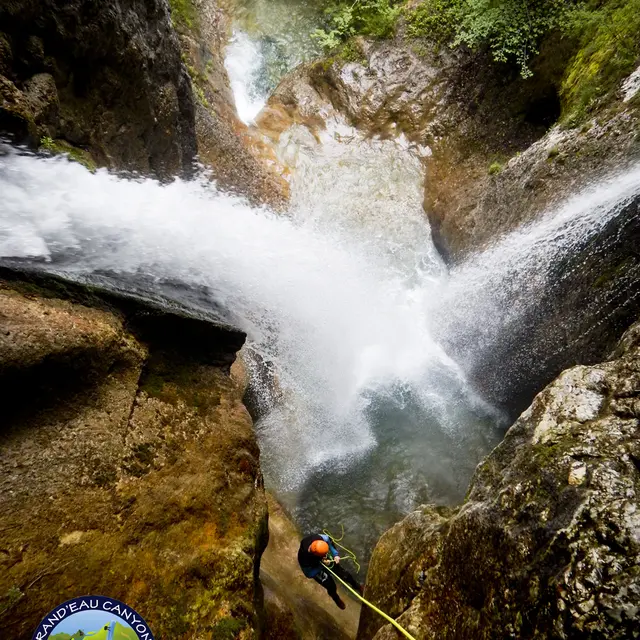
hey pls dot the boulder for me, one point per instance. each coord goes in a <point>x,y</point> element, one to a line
<point>546,544</point>
<point>128,463</point>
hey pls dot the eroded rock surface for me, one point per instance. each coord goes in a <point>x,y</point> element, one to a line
<point>472,113</point>
<point>547,543</point>
<point>105,77</point>
<point>128,463</point>
<point>298,608</point>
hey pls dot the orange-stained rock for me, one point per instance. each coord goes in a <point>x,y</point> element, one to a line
<point>128,464</point>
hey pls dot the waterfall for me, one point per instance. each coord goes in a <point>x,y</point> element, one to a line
<point>345,299</point>
<point>270,37</point>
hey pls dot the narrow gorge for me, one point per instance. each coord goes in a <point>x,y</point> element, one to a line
<point>270,267</point>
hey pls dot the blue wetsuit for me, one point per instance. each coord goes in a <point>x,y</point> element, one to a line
<point>312,567</point>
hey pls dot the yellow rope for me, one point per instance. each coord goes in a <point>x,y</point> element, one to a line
<point>336,542</point>
<point>382,613</point>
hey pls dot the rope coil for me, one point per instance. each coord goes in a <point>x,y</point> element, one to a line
<point>336,543</point>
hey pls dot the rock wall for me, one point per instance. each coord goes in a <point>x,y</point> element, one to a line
<point>138,86</point>
<point>494,161</point>
<point>104,77</point>
<point>296,607</point>
<point>128,463</point>
<point>546,544</point>
<point>240,161</point>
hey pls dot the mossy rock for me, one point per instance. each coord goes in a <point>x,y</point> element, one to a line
<point>609,51</point>
<point>184,14</point>
<point>62,147</point>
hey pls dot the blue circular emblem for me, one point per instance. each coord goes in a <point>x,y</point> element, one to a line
<point>93,618</point>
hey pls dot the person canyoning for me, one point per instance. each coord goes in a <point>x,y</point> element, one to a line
<point>315,553</point>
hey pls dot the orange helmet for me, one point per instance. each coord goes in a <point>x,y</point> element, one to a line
<point>319,548</point>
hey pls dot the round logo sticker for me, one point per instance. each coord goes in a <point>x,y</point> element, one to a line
<point>94,617</point>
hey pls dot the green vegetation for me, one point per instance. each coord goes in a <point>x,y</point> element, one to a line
<point>120,633</point>
<point>184,14</point>
<point>609,49</point>
<point>435,20</point>
<point>10,599</point>
<point>57,147</point>
<point>227,629</point>
<point>198,80</point>
<point>374,18</point>
<point>495,168</point>
<point>603,34</point>
<point>511,29</point>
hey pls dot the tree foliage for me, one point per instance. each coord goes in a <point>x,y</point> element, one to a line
<point>609,37</point>
<point>376,18</point>
<point>512,29</point>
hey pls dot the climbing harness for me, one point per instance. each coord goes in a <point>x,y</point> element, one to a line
<point>401,629</point>
<point>352,556</point>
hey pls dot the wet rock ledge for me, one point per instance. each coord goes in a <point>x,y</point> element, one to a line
<point>128,463</point>
<point>547,543</point>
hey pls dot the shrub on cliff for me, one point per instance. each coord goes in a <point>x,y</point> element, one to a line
<point>512,29</point>
<point>603,35</point>
<point>609,49</point>
<point>376,18</point>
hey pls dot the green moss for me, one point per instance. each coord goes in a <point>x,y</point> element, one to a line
<point>173,381</point>
<point>554,152</point>
<point>351,52</point>
<point>57,147</point>
<point>10,599</point>
<point>184,14</point>
<point>198,80</point>
<point>495,168</point>
<point>433,19</point>
<point>199,91</point>
<point>227,629</point>
<point>613,273</point>
<point>345,19</point>
<point>140,461</point>
<point>609,51</point>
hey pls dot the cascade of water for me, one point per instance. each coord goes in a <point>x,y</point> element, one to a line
<point>270,37</point>
<point>346,299</point>
<point>243,62</point>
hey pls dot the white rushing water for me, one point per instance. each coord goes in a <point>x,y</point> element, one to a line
<point>333,296</point>
<point>270,37</point>
<point>244,62</point>
<point>345,301</point>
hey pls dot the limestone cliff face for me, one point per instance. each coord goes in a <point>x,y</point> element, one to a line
<point>105,77</point>
<point>297,608</point>
<point>494,162</point>
<point>240,161</point>
<point>546,543</point>
<point>128,463</point>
